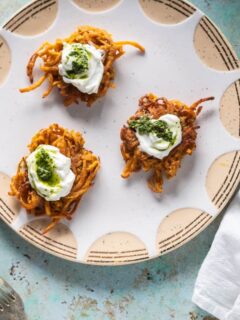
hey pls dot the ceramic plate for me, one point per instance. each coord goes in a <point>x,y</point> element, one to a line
<point>118,221</point>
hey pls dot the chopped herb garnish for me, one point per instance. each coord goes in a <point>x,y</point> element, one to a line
<point>45,168</point>
<point>44,165</point>
<point>74,53</point>
<point>145,125</point>
<point>80,57</point>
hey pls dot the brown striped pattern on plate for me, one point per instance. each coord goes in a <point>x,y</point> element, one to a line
<point>181,7</point>
<point>229,58</point>
<point>5,212</point>
<point>118,257</point>
<point>185,234</point>
<point>237,88</point>
<point>167,11</point>
<point>116,248</point>
<point>230,183</point>
<point>220,44</point>
<point>48,243</point>
<point>27,13</point>
<point>230,109</point>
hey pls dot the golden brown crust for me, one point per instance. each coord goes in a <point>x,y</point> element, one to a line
<point>136,159</point>
<point>51,57</point>
<point>84,164</point>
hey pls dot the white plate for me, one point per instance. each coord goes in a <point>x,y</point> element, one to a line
<point>121,221</point>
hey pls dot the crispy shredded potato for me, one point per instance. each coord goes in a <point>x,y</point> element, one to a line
<point>136,159</point>
<point>51,57</point>
<point>84,165</point>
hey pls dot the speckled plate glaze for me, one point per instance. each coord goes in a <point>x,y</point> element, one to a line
<point>118,221</point>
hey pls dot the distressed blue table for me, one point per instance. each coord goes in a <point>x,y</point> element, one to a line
<point>161,289</point>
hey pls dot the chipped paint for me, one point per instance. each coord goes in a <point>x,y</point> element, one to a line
<point>50,286</point>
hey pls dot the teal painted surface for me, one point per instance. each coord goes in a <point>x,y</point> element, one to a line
<point>161,289</point>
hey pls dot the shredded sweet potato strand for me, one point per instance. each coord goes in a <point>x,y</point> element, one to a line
<point>35,85</point>
<point>84,164</point>
<point>51,56</point>
<point>136,159</point>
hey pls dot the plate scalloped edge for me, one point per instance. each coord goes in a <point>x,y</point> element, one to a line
<point>223,176</point>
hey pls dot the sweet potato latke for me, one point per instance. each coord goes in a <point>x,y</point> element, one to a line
<point>51,57</point>
<point>84,165</point>
<point>135,159</point>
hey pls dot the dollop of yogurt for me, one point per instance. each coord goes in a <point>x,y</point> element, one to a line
<point>156,146</point>
<point>81,65</point>
<point>49,172</point>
